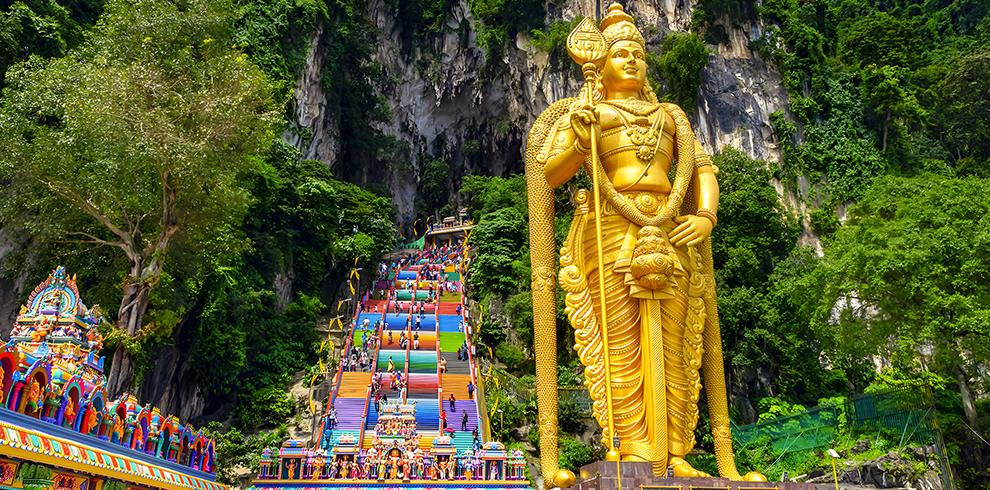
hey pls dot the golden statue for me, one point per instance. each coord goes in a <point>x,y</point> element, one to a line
<point>647,240</point>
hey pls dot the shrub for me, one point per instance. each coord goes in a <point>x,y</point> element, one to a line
<point>509,354</point>
<point>573,454</point>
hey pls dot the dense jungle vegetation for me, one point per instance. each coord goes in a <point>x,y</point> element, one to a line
<point>143,152</point>
<point>182,212</point>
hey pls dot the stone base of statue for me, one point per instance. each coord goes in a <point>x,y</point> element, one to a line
<point>603,475</point>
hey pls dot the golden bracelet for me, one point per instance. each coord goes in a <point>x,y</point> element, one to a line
<point>580,149</point>
<point>707,213</point>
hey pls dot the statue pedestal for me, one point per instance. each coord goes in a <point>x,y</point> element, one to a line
<point>602,475</point>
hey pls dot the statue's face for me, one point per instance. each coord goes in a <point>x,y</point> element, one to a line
<point>625,67</point>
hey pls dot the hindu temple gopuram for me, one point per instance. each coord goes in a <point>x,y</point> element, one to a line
<point>58,428</point>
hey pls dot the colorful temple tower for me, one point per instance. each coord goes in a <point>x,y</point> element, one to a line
<point>57,425</point>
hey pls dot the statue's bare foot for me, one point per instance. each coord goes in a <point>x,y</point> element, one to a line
<point>683,469</point>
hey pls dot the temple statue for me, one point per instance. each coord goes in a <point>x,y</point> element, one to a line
<point>637,259</point>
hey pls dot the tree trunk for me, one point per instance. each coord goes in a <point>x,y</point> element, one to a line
<point>886,125</point>
<point>133,306</point>
<point>121,372</point>
<point>967,398</point>
<point>146,269</point>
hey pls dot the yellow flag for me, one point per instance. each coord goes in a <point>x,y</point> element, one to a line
<point>312,407</point>
<point>352,288</point>
<point>339,304</point>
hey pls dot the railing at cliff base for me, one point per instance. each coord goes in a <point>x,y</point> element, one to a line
<point>897,417</point>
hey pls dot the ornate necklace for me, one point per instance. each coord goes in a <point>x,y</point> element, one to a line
<point>635,106</point>
<point>646,139</point>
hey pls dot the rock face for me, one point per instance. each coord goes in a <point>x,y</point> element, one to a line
<point>449,110</point>
<point>439,108</point>
<point>888,471</point>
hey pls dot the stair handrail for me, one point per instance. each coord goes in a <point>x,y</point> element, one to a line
<point>471,365</point>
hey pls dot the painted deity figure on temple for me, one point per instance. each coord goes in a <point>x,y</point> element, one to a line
<point>419,467</point>
<point>366,470</point>
<point>68,415</point>
<point>392,467</point>
<point>118,428</point>
<point>637,258</point>
<point>138,437</point>
<point>34,398</point>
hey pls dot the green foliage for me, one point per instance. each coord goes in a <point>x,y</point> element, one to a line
<point>509,354</point>
<point>868,75</point>
<point>156,102</point>
<point>420,19</point>
<point>500,208</point>
<point>232,449</point>
<point>489,194</point>
<point>897,379</point>
<point>264,407</point>
<point>566,377</point>
<point>513,415</point>
<point>962,115</point>
<point>573,454</point>
<point>306,221</point>
<point>569,417</point>
<point>435,182</point>
<point>276,33</point>
<point>759,280</point>
<point>772,407</point>
<point>471,147</point>
<point>681,60</point>
<point>553,39</point>
<point>519,308</point>
<point>500,237</point>
<point>882,40</point>
<point>45,28</point>
<point>921,290</point>
<point>498,21</point>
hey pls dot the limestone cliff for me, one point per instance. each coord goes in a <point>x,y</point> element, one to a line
<point>439,108</point>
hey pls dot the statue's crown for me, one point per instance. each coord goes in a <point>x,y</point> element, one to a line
<point>618,26</point>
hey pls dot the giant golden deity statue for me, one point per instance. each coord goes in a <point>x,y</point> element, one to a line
<point>643,237</point>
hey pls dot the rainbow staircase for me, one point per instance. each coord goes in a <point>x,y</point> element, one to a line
<point>439,337</point>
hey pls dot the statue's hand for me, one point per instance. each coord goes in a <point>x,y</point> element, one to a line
<point>581,123</point>
<point>691,230</point>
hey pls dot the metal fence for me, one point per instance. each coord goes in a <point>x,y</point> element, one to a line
<point>904,416</point>
<point>794,433</point>
<point>900,416</point>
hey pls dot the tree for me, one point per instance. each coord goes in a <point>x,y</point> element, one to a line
<point>681,60</point>
<point>759,276</point>
<point>963,108</point>
<point>134,140</point>
<point>883,40</point>
<point>46,28</point>
<point>500,237</point>
<point>434,183</point>
<point>886,91</point>
<point>908,271</point>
